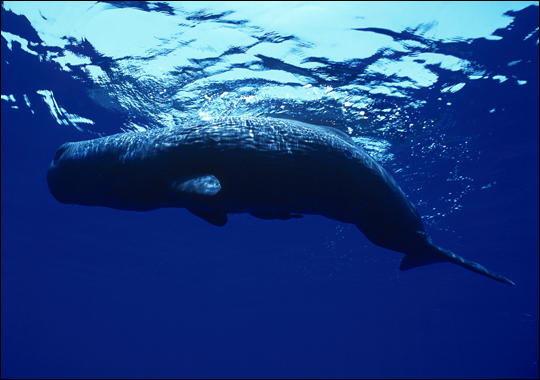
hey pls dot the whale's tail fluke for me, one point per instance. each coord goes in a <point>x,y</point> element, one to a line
<point>411,261</point>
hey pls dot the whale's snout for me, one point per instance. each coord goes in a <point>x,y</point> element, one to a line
<point>59,153</point>
<point>59,178</point>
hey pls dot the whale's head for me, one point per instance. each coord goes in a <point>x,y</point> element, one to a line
<point>99,173</point>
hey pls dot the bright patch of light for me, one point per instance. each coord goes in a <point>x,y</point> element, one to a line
<point>500,78</point>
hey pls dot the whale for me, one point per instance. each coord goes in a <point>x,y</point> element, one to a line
<point>270,168</point>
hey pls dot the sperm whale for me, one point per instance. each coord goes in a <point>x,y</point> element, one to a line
<point>269,168</point>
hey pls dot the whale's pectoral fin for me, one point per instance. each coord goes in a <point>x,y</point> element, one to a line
<point>198,184</point>
<point>216,217</point>
<point>267,215</point>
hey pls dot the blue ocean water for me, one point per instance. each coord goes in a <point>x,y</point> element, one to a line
<point>444,95</point>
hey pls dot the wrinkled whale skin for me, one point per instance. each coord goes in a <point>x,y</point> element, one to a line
<point>270,168</point>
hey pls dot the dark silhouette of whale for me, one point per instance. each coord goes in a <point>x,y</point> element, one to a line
<point>270,168</point>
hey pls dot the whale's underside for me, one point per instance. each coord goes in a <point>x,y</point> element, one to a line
<point>270,168</point>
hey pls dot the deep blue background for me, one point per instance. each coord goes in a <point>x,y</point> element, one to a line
<point>94,292</point>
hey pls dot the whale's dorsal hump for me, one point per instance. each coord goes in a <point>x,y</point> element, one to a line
<point>328,130</point>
